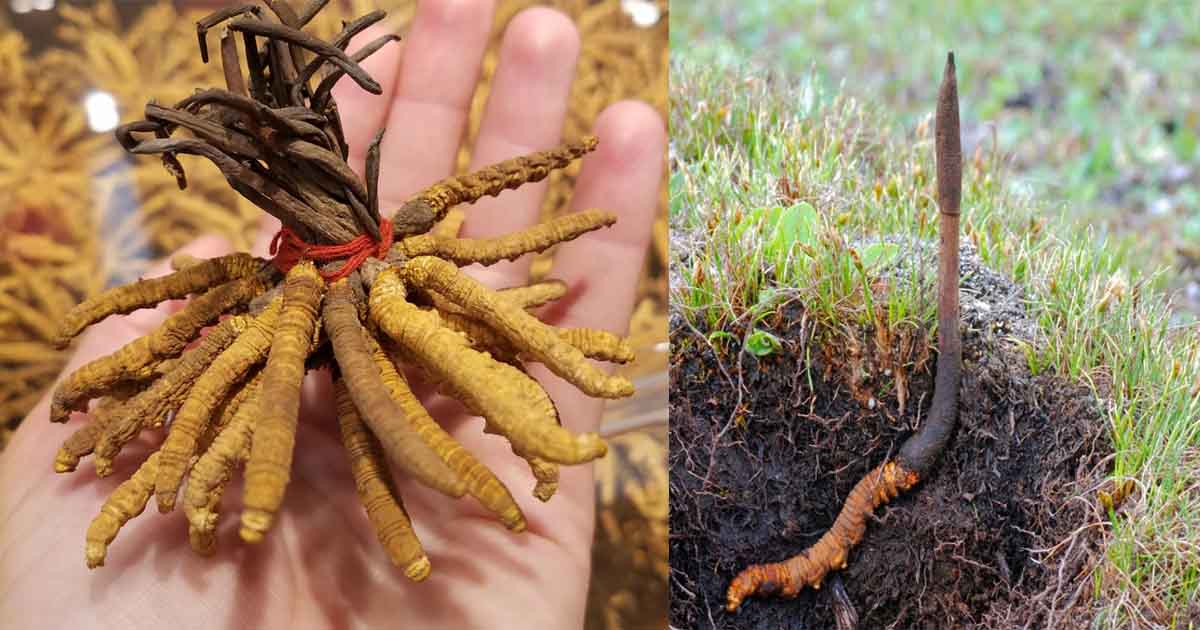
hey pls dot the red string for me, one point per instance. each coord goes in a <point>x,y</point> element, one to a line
<point>289,249</point>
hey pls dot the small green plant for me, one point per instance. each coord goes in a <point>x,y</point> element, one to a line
<point>761,343</point>
<point>790,229</point>
<point>878,255</point>
<point>718,337</point>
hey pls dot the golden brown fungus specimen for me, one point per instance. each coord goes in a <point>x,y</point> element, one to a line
<point>536,294</point>
<point>214,469</point>
<point>126,502</point>
<point>450,224</point>
<point>148,293</point>
<point>333,295</point>
<point>377,491</point>
<point>512,402</point>
<point>531,296</point>
<point>493,180</point>
<point>481,482</point>
<point>485,251</point>
<point>202,540</point>
<point>600,345</point>
<point>481,336</point>
<point>137,358</point>
<point>378,409</point>
<point>151,406</point>
<point>227,371</point>
<point>830,553</point>
<point>83,441</point>
<point>270,463</point>
<point>520,328</point>
<point>546,474</point>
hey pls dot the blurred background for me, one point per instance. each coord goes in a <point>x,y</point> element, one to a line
<point>79,215</point>
<point>1095,107</point>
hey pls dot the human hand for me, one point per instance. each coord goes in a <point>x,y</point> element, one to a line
<point>321,565</point>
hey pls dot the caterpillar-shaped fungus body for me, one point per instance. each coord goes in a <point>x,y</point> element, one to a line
<point>809,567</point>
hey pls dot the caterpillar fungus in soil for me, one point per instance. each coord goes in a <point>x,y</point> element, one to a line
<point>346,289</point>
<point>919,452</point>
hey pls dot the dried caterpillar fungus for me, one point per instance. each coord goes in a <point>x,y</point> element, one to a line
<point>377,491</point>
<point>269,465</point>
<point>348,287</point>
<point>196,277</point>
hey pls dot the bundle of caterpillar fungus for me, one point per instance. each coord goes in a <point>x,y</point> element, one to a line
<point>919,452</point>
<point>346,288</point>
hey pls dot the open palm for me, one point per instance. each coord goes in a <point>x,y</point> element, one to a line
<point>321,565</point>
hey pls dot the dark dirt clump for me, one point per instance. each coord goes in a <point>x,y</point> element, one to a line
<point>966,547</point>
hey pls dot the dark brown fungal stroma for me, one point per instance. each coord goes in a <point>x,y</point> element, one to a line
<point>919,452</point>
<point>348,289</point>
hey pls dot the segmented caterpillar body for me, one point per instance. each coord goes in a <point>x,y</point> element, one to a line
<point>810,567</point>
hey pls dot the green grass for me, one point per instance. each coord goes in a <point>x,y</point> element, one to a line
<point>1114,128</point>
<point>784,183</point>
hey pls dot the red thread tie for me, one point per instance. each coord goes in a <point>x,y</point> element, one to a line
<point>289,249</point>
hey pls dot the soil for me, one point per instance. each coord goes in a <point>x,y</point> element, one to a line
<point>969,546</point>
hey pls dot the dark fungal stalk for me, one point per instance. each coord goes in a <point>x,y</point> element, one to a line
<point>920,451</point>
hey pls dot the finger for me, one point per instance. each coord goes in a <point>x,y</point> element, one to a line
<point>428,112</point>
<point>524,113</point>
<point>267,227</point>
<point>602,267</point>
<point>363,113</point>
